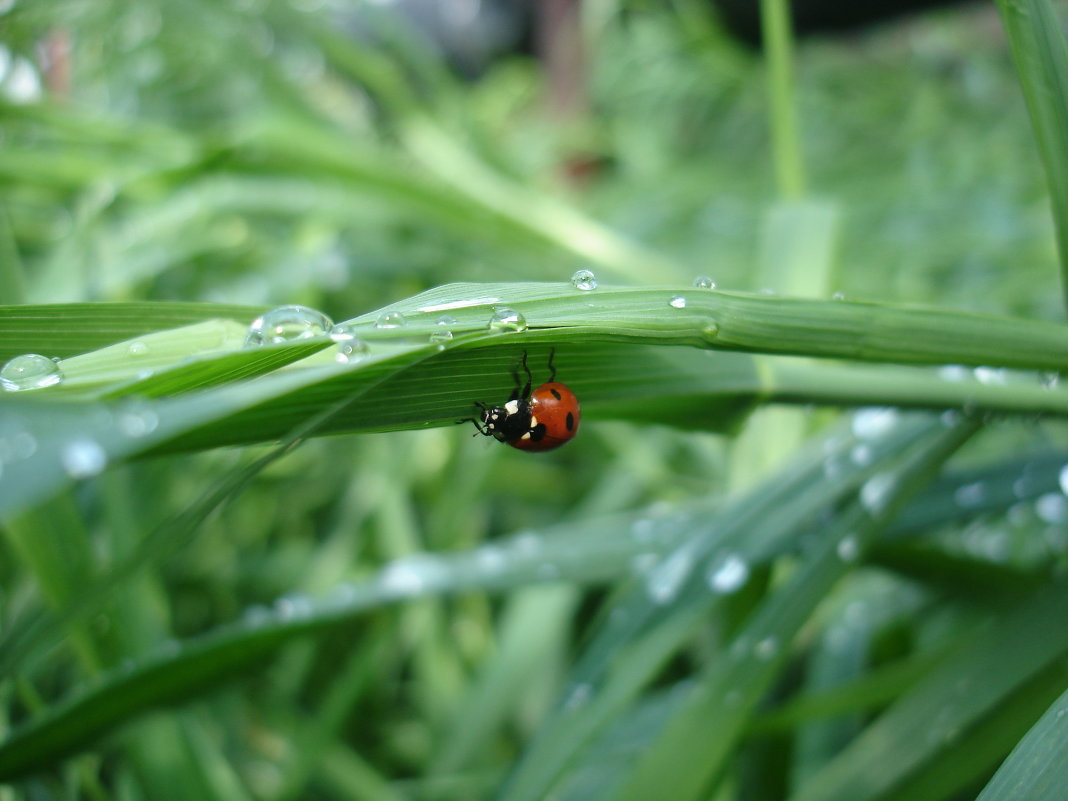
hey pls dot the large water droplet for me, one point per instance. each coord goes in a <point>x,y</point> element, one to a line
<point>83,458</point>
<point>286,324</point>
<point>703,282</point>
<point>29,371</point>
<point>677,302</point>
<point>506,321</point>
<point>390,320</point>
<point>584,280</point>
<point>728,574</point>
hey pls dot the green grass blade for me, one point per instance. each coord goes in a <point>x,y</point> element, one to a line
<point>1039,50</point>
<point>1037,769</point>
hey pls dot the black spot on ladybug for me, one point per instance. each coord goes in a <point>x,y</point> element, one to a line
<point>555,393</point>
<point>570,422</point>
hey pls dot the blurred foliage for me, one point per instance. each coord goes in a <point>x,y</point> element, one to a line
<point>818,590</point>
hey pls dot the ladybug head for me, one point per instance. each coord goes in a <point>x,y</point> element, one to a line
<point>507,422</point>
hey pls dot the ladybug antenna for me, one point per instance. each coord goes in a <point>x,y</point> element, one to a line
<point>552,367</point>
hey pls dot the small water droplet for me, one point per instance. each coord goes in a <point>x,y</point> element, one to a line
<point>286,324</point>
<point>29,371</point>
<point>83,458</point>
<point>138,348</point>
<point>728,575</point>
<point>677,302</point>
<point>703,282</point>
<point>350,348</point>
<point>873,422</point>
<point>875,492</point>
<point>838,296</point>
<point>390,320</point>
<point>137,419</point>
<point>862,454</point>
<point>584,280</point>
<point>710,331</point>
<point>1052,507</point>
<point>954,372</point>
<point>409,576</point>
<point>666,579</point>
<point>293,607</point>
<point>970,496</point>
<point>443,329</point>
<point>441,336</point>
<point>848,549</point>
<point>990,375</point>
<point>578,696</point>
<point>490,559</point>
<point>1062,479</point>
<point>766,649</point>
<point>504,321</point>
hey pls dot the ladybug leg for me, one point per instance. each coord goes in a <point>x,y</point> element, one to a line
<point>479,427</point>
<point>516,394</point>
<point>552,367</point>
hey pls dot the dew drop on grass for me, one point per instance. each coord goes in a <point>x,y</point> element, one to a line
<point>287,324</point>
<point>1052,507</point>
<point>29,371</point>
<point>666,579</point>
<point>584,280</point>
<point>505,321</point>
<point>969,496</point>
<point>848,549</point>
<point>838,296</point>
<point>677,302</point>
<point>873,422</point>
<point>350,348</point>
<point>390,320</point>
<point>766,649</point>
<point>138,348</point>
<point>728,574</point>
<point>578,696</point>
<point>875,492</point>
<point>83,458</point>
<point>703,282</point>
<point>442,332</point>
<point>137,419</point>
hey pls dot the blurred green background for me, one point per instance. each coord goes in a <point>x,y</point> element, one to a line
<point>259,152</point>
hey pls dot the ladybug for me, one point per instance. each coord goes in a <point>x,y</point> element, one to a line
<point>532,421</point>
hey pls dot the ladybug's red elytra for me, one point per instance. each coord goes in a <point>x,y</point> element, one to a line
<point>532,421</point>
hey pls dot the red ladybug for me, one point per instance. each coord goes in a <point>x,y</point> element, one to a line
<point>532,421</point>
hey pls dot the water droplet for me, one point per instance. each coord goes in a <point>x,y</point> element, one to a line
<point>137,419</point>
<point>667,578</point>
<point>1052,507</point>
<point>83,458</point>
<point>390,320</point>
<point>970,496</point>
<point>504,321</point>
<point>584,280</point>
<point>1062,479</point>
<point>410,575</point>
<point>728,574</point>
<point>848,549</point>
<point>293,607</point>
<point>862,455</point>
<point>286,324</point>
<point>766,649</point>
<point>138,348</point>
<point>490,559</point>
<point>873,422</point>
<point>29,371</point>
<point>703,282</point>
<point>990,375</point>
<point>677,302</point>
<point>875,492</point>
<point>578,696</point>
<point>838,296</point>
<point>351,351</point>
<point>954,372</point>
<point>441,336</point>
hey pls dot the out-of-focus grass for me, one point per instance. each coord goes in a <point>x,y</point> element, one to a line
<point>424,614</point>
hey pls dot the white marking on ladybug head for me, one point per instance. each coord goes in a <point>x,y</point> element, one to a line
<point>512,407</point>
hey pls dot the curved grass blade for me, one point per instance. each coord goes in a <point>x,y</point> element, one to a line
<point>1037,769</point>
